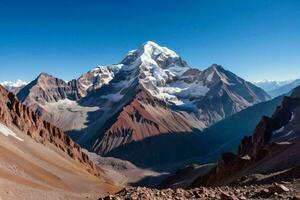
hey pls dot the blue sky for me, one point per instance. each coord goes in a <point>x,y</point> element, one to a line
<point>256,39</point>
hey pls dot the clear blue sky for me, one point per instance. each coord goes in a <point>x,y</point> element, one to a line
<point>256,39</point>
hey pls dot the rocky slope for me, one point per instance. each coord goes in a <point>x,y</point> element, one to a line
<point>47,89</point>
<point>286,190</point>
<point>14,113</point>
<point>145,117</point>
<point>226,135</point>
<point>38,161</point>
<point>269,155</point>
<point>104,109</point>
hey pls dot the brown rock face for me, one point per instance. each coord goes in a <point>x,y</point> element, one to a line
<point>46,88</point>
<point>251,149</point>
<point>143,118</point>
<point>14,113</point>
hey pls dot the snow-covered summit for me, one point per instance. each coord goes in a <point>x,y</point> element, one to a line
<point>154,55</point>
<point>154,50</point>
<point>156,67</point>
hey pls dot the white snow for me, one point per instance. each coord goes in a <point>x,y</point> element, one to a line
<point>292,118</point>
<point>169,98</point>
<point>99,76</point>
<point>152,75</point>
<point>8,132</point>
<point>210,76</point>
<point>17,83</point>
<point>156,49</point>
<point>279,130</point>
<point>67,104</point>
<point>113,97</point>
<point>289,133</point>
<point>183,89</point>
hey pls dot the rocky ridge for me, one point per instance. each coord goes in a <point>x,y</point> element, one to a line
<point>14,113</point>
<point>274,140</point>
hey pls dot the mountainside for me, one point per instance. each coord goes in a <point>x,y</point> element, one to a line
<point>13,113</point>
<point>33,151</point>
<point>226,135</point>
<point>144,117</point>
<point>285,89</point>
<point>151,92</point>
<point>271,154</point>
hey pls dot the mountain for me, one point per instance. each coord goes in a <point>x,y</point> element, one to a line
<point>14,87</point>
<point>46,90</point>
<point>285,89</point>
<point>151,93</point>
<point>271,85</point>
<point>277,88</point>
<point>270,155</point>
<point>38,159</point>
<point>226,135</point>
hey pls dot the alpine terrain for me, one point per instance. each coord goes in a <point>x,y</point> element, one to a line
<point>38,160</point>
<point>121,109</point>
<point>266,165</point>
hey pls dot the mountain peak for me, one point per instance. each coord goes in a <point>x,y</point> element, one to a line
<point>43,74</point>
<point>150,51</point>
<point>216,67</point>
<point>150,43</point>
<point>153,49</point>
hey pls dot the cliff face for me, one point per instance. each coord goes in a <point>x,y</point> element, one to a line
<point>145,117</point>
<point>14,113</point>
<point>268,136</point>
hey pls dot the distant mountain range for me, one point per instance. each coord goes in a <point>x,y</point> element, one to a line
<point>151,93</point>
<point>14,87</point>
<point>277,88</point>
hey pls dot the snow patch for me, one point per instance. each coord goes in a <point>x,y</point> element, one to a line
<point>293,117</point>
<point>210,76</point>
<point>113,97</point>
<point>183,89</point>
<point>289,133</point>
<point>279,130</point>
<point>8,132</point>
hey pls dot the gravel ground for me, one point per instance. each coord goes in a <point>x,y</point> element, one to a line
<point>281,190</point>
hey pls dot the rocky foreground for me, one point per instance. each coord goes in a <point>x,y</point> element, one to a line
<point>282,190</point>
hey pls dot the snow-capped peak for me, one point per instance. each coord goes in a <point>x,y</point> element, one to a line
<point>154,50</point>
<point>18,83</point>
<point>100,75</point>
<point>216,73</point>
<point>152,53</point>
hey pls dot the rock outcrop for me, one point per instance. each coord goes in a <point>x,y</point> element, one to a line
<point>268,136</point>
<point>288,190</point>
<point>145,117</point>
<point>14,113</point>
